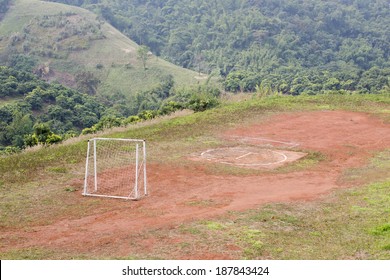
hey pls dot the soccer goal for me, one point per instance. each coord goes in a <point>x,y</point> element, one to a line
<point>116,168</point>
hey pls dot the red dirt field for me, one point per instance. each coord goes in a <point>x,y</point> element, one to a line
<point>347,139</point>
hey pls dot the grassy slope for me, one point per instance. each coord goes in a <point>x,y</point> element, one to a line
<point>350,223</point>
<point>113,52</point>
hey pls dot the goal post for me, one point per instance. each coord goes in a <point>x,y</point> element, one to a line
<point>116,168</point>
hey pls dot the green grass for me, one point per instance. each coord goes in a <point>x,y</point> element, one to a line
<point>381,230</point>
<point>377,169</point>
<point>28,254</point>
<point>22,11</point>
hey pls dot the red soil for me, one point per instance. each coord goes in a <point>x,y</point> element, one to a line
<point>347,139</point>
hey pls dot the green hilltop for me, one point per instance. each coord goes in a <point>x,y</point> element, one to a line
<point>74,46</point>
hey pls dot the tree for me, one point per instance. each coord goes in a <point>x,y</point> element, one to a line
<point>143,55</point>
<point>20,126</point>
<point>87,82</point>
<point>22,62</point>
<point>34,98</point>
<point>42,135</point>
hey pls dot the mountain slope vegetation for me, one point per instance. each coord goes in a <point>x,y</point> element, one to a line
<point>34,112</point>
<point>293,46</point>
<point>271,47</point>
<point>65,70</point>
<point>40,109</point>
<point>78,49</point>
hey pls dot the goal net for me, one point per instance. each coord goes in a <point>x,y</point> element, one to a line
<point>116,168</point>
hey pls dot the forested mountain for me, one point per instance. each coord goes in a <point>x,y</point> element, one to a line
<point>64,70</point>
<point>285,46</point>
<point>79,49</point>
<point>293,46</point>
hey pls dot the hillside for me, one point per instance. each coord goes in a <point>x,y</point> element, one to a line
<point>77,48</point>
<point>290,162</point>
<point>34,112</point>
<point>294,46</point>
<point>337,195</point>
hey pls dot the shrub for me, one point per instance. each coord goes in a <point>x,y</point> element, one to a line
<point>131,119</point>
<point>202,102</point>
<point>170,107</point>
<point>10,150</point>
<point>147,114</point>
<point>53,138</point>
<point>88,130</point>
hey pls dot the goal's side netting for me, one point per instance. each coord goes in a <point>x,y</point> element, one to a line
<point>116,168</point>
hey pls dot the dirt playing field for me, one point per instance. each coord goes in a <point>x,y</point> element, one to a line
<point>346,139</point>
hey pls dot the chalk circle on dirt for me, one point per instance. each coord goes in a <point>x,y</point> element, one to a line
<point>251,157</point>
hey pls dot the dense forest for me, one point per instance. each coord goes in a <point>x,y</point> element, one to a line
<point>293,46</point>
<point>41,113</point>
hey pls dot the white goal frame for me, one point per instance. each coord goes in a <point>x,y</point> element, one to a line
<point>133,184</point>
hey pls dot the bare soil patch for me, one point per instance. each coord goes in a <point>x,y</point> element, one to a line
<point>187,193</point>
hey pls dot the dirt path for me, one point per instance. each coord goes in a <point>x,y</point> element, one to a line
<point>181,195</point>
